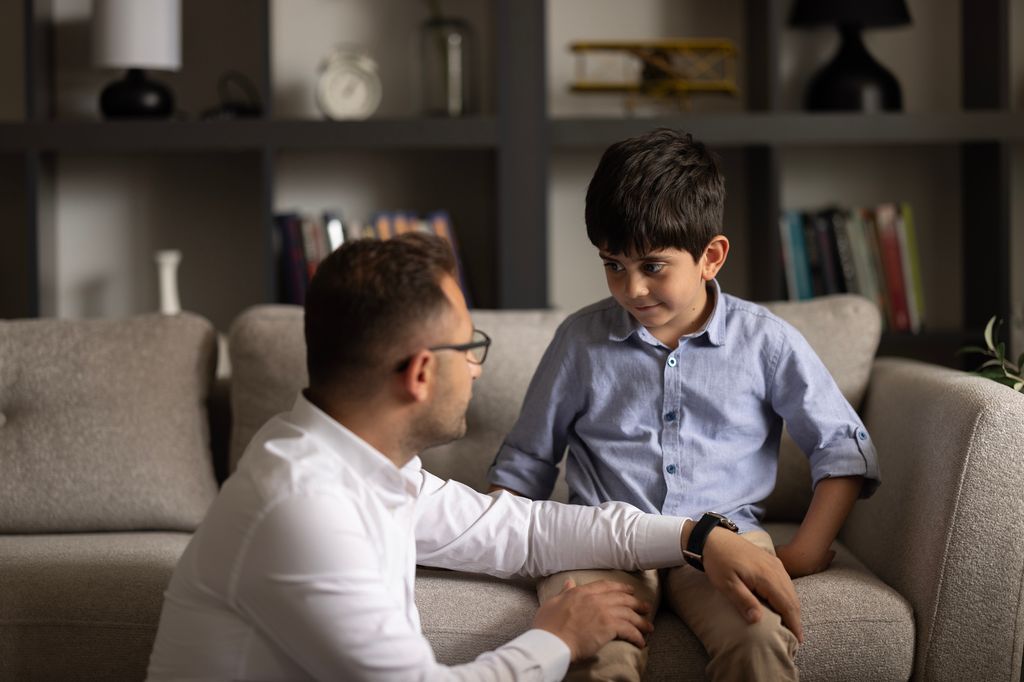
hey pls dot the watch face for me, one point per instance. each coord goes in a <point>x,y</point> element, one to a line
<point>348,87</point>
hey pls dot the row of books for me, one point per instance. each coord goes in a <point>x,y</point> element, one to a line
<point>303,240</point>
<point>867,251</point>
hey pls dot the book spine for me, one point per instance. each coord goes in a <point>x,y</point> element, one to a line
<point>844,251</point>
<point>892,266</point>
<point>911,268</point>
<point>827,252</point>
<point>814,262</point>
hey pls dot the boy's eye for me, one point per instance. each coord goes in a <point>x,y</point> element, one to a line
<point>653,267</point>
<point>612,266</point>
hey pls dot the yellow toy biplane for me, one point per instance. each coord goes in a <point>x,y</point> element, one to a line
<point>662,68</point>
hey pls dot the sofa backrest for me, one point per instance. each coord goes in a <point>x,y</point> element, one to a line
<point>268,369</point>
<point>103,424</point>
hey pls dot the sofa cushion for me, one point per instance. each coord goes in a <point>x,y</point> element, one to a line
<point>268,368</point>
<point>107,419</point>
<point>855,627</point>
<point>267,348</point>
<point>82,606</point>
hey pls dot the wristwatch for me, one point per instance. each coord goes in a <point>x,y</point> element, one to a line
<point>694,551</point>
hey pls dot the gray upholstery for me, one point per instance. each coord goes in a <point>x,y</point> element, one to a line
<point>928,578</point>
<point>856,627</point>
<point>267,351</point>
<point>82,606</point>
<point>946,528</point>
<point>104,424</point>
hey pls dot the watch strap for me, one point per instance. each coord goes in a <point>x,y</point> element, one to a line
<point>694,553</point>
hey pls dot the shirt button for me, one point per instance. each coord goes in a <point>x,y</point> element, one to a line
<point>670,417</point>
<point>671,468</point>
<point>671,362</point>
<point>862,435</point>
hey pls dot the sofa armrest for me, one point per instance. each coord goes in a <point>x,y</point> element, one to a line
<point>946,528</point>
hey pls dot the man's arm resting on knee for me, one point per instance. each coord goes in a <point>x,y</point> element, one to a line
<point>744,572</point>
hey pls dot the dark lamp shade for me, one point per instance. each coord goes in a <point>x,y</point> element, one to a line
<point>863,13</point>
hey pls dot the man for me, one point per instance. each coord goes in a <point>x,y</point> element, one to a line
<point>304,567</point>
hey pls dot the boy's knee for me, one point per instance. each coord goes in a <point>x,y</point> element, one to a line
<point>763,650</point>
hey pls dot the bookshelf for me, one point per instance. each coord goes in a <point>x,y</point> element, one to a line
<point>492,170</point>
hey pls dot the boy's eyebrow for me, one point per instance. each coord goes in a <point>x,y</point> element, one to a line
<point>647,257</point>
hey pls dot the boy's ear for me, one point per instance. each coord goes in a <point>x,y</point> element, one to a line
<point>714,257</point>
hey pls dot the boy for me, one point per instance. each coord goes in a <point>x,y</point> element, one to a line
<point>672,395</point>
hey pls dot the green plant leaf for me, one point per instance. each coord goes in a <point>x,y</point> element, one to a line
<point>992,363</point>
<point>973,349</point>
<point>1001,352</point>
<point>988,332</point>
<point>1019,386</point>
<point>1020,363</point>
<point>992,373</point>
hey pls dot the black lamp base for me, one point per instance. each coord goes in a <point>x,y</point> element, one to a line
<point>135,96</point>
<point>854,81</point>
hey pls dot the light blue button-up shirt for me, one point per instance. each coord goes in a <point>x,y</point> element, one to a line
<point>680,431</point>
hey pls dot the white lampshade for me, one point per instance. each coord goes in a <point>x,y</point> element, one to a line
<point>137,34</point>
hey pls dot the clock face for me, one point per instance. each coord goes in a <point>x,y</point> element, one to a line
<point>348,87</point>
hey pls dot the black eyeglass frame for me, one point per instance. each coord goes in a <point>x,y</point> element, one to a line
<point>484,343</point>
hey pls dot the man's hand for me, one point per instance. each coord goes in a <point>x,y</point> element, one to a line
<point>588,617</point>
<point>800,561</point>
<point>743,572</point>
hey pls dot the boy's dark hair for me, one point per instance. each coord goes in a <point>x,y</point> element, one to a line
<point>367,300</point>
<point>659,190</point>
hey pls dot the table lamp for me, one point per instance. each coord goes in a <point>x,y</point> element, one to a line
<point>137,35</point>
<point>853,80</point>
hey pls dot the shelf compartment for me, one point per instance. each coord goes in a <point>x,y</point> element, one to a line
<point>799,128</point>
<point>251,135</point>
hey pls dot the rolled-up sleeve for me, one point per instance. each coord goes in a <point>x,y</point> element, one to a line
<point>820,420</point>
<point>528,459</point>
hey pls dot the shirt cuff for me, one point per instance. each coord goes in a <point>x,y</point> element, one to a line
<point>658,541</point>
<point>548,650</point>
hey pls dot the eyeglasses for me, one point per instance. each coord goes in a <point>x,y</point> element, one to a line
<point>476,350</point>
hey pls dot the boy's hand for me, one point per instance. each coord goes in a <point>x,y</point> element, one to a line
<point>744,572</point>
<point>800,561</point>
<point>588,617</point>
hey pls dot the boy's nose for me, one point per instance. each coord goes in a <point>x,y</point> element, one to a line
<point>636,287</point>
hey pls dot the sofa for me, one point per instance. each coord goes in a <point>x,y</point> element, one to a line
<point>106,466</point>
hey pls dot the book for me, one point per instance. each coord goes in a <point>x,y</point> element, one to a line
<point>844,251</point>
<point>440,223</point>
<point>798,275</point>
<point>911,267</point>
<point>886,219</point>
<point>292,267</point>
<point>829,260</point>
<point>815,266</point>
<point>865,260</point>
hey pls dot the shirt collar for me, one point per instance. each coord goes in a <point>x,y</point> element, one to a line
<point>368,462</point>
<point>624,325</point>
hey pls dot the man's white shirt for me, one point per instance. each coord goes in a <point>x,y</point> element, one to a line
<point>304,567</point>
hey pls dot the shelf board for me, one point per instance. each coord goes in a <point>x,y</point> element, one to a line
<point>799,128</point>
<point>247,135</point>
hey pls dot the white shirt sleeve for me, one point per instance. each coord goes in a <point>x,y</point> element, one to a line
<point>308,579</point>
<point>505,535</point>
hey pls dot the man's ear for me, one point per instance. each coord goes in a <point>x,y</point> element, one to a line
<point>714,257</point>
<point>418,377</point>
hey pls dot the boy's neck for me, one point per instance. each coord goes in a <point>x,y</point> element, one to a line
<point>687,322</point>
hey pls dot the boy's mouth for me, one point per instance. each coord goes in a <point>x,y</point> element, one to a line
<point>645,308</point>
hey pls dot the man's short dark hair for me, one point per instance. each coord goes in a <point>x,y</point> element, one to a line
<point>659,190</point>
<point>366,302</point>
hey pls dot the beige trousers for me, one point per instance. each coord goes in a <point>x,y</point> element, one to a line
<point>738,650</point>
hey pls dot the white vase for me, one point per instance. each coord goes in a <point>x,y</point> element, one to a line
<point>167,273</point>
